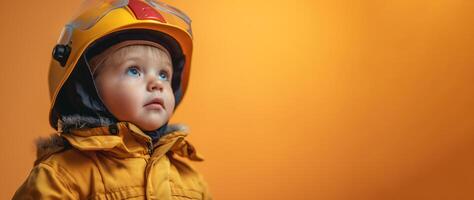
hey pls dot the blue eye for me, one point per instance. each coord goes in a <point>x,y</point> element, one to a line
<point>133,71</point>
<point>164,76</point>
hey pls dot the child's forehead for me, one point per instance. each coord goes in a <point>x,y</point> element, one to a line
<point>140,52</point>
<point>132,49</point>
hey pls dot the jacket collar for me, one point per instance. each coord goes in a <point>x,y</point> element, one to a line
<point>122,139</point>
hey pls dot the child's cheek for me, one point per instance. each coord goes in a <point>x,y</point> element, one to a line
<point>169,100</point>
<point>117,94</point>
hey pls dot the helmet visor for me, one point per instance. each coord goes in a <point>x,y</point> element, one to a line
<point>91,11</point>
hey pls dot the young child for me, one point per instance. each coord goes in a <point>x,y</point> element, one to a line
<point>117,75</point>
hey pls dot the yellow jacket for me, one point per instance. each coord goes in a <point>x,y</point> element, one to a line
<point>115,162</point>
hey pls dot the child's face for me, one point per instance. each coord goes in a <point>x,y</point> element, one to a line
<point>130,79</point>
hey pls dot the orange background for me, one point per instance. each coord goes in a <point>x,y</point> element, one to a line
<point>290,99</point>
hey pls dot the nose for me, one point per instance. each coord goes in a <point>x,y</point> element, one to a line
<point>154,84</point>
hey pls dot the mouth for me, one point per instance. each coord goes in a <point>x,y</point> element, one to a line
<point>155,103</point>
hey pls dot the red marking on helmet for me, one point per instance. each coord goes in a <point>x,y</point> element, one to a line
<point>144,11</point>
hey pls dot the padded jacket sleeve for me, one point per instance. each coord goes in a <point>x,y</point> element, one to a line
<point>45,182</point>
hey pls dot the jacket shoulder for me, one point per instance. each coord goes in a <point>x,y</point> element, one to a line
<point>75,168</point>
<point>49,178</point>
<point>56,152</point>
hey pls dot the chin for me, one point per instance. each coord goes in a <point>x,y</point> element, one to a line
<point>150,123</point>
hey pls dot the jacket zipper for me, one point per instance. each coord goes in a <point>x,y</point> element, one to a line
<point>148,168</point>
<point>150,148</point>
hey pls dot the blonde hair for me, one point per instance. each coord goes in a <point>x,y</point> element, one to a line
<point>121,49</point>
